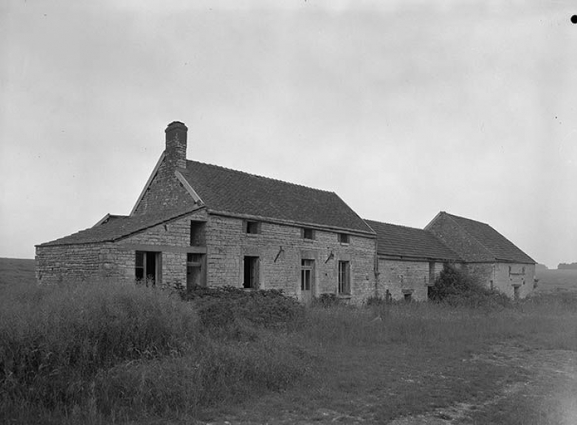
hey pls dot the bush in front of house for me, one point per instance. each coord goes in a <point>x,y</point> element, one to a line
<point>327,300</point>
<point>222,307</point>
<point>457,287</point>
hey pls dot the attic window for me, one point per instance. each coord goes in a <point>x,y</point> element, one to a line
<point>344,238</point>
<point>197,234</point>
<point>252,227</point>
<point>308,233</point>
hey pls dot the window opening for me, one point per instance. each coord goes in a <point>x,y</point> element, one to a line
<point>307,267</point>
<point>147,267</point>
<point>251,273</point>
<point>308,234</point>
<point>408,297</point>
<point>252,227</point>
<point>343,238</point>
<point>197,233</point>
<point>344,278</point>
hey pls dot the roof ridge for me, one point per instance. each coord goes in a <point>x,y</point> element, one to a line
<point>261,177</point>
<point>396,225</point>
<point>465,218</point>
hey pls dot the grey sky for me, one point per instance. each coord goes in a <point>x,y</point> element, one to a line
<point>403,108</point>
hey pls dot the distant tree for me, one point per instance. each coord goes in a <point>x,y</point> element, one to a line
<point>565,266</point>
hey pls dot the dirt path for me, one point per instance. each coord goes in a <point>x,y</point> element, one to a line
<point>544,393</point>
<point>548,390</point>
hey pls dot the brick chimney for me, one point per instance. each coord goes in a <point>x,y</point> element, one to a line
<point>176,144</point>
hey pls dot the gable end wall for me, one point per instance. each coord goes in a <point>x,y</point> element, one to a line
<point>164,191</point>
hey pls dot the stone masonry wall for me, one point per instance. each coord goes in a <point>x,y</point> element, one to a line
<point>165,238</point>
<point>505,277</point>
<point>280,249</point>
<point>164,191</point>
<point>73,263</point>
<point>400,277</point>
<point>116,261</point>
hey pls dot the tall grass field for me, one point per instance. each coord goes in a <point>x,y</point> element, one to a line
<point>103,353</point>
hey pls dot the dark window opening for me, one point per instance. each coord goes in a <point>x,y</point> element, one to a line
<point>408,297</point>
<point>147,267</point>
<point>343,238</point>
<point>308,234</point>
<point>251,272</point>
<point>344,278</point>
<point>252,227</point>
<point>197,237</point>
<point>307,267</point>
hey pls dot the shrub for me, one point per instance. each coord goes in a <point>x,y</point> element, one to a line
<point>327,300</point>
<point>222,306</point>
<point>457,287</point>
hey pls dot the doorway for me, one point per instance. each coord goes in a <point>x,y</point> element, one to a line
<point>251,273</point>
<point>195,271</point>
<point>307,281</point>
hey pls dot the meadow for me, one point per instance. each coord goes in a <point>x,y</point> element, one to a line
<point>106,353</point>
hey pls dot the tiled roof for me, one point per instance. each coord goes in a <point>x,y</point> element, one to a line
<point>410,242</point>
<point>497,244</point>
<point>225,190</point>
<point>118,227</point>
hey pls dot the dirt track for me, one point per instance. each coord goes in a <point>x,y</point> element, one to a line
<point>548,388</point>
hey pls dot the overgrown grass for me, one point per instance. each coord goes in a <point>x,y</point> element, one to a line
<point>98,351</point>
<point>108,353</point>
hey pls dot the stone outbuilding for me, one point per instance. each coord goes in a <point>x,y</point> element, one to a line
<point>486,253</point>
<point>200,224</point>
<point>197,224</point>
<point>409,260</point>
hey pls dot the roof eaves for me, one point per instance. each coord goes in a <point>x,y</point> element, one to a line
<point>123,236</point>
<point>156,223</point>
<point>293,223</point>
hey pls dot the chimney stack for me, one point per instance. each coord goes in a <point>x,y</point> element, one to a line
<point>176,144</point>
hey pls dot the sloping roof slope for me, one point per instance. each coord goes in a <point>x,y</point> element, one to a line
<point>497,244</point>
<point>119,227</point>
<point>225,190</point>
<point>410,242</point>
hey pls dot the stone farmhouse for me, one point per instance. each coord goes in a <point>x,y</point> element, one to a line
<point>200,224</point>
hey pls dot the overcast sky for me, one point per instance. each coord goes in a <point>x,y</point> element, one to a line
<point>403,108</point>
